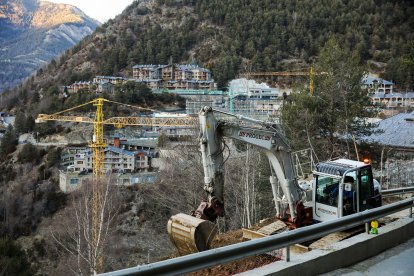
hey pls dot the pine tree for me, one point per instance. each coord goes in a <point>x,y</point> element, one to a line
<point>20,122</point>
<point>338,109</point>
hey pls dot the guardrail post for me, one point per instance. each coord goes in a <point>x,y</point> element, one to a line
<point>367,227</point>
<point>411,212</point>
<point>287,254</point>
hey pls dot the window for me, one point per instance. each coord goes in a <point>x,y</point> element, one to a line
<point>74,181</point>
<point>366,187</point>
<point>327,190</point>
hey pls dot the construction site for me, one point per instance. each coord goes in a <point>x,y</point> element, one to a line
<point>303,190</point>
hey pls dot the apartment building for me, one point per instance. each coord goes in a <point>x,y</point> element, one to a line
<point>174,76</point>
<point>109,79</point>
<point>393,100</point>
<point>68,155</point>
<point>121,156</point>
<point>76,86</point>
<point>377,85</point>
<point>71,181</point>
<point>147,71</point>
<point>115,160</point>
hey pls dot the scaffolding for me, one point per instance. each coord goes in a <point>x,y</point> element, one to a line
<point>266,110</point>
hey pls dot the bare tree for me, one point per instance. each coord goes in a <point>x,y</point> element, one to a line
<point>180,185</point>
<point>84,230</point>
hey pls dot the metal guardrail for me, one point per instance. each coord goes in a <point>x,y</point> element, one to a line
<point>205,259</point>
<point>397,191</point>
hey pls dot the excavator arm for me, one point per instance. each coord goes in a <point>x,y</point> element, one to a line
<point>212,132</point>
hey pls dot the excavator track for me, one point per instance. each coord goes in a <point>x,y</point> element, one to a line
<point>190,234</point>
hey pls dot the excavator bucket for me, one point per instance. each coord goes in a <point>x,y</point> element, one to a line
<point>190,234</point>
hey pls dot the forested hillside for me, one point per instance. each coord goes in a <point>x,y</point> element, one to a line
<point>235,36</point>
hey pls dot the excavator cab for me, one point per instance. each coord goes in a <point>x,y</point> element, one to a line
<point>343,187</point>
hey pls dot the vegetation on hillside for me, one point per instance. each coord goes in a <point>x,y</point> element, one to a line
<point>235,36</point>
<point>13,260</point>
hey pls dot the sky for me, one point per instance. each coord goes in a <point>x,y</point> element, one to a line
<point>101,10</point>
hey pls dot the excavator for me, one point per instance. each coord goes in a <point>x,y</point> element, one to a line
<point>339,187</point>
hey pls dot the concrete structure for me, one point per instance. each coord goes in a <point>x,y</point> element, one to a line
<point>126,159</point>
<point>393,100</point>
<point>76,86</point>
<point>116,160</point>
<point>260,109</point>
<point>252,90</point>
<point>377,85</point>
<point>71,181</point>
<point>144,144</point>
<point>6,120</point>
<point>256,108</point>
<point>190,93</point>
<point>147,71</point>
<point>121,156</point>
<point>109,79</point>
<point>395,261</point>
<point>106,87</point>
<point>68,154</point>
<point>99,84</point>
<point>343,253</point>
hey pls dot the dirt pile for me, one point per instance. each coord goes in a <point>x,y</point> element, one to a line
<point>238,266</point>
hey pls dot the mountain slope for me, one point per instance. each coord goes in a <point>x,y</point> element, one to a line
<point>33,33</point>
<point>235,36</point>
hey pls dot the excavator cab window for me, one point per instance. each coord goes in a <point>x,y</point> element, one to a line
<point>327,190</point>
<point>366,188</point>
<point>349,194</point>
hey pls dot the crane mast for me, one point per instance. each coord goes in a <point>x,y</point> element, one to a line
<point>98,145</point>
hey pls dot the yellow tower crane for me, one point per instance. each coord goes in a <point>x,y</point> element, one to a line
<point>311,76</point>
<point>98,145</point>
<point>98,142</point>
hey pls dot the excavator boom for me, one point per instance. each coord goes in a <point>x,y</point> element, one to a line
<point>194,232</point>
<point>340,187</point>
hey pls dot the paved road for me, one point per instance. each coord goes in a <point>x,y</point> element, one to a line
<point>395,261</point>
